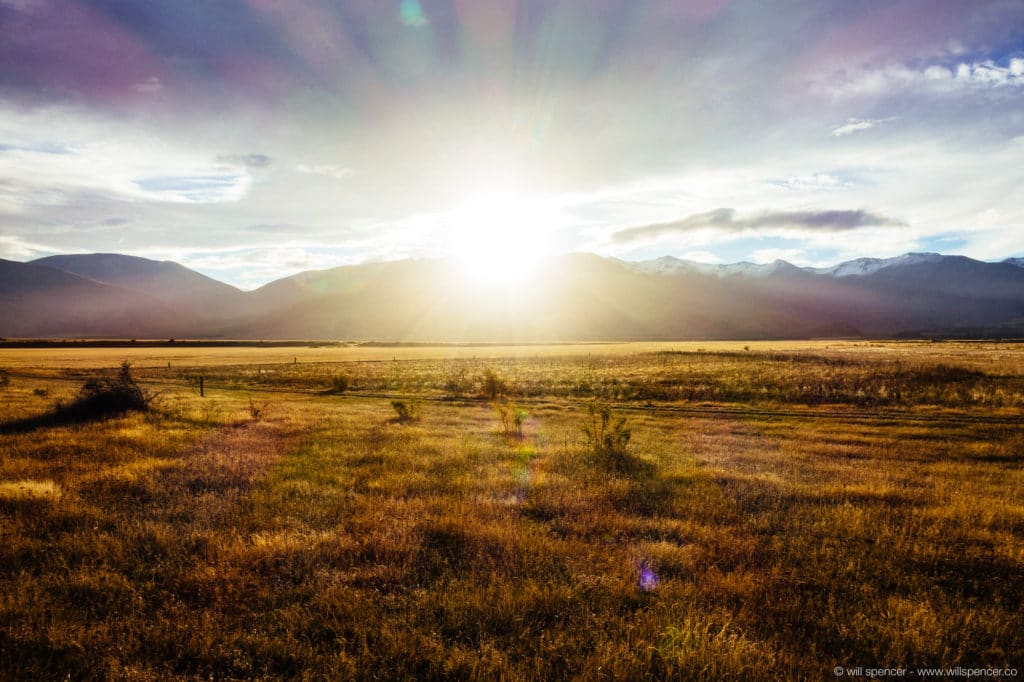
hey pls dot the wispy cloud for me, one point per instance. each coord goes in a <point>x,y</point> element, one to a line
<point>194,188</point>
<point>150,86</point>
<point>252,267</point>
<point>17,248</point>
<point>91,154</point>
<point>854,125</point>
<point>277,228</point>
<point>701,257</point>
<point>936,78</point>
<point>327,170</point>
<point>251,160</point>
<point>795,256</point>
<point>816,182</point>
<point>726,220</point>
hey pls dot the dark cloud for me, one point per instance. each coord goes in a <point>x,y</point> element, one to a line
<point>115,222</point>
<point>726,220</point>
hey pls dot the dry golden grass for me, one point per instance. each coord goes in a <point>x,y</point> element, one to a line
<point>747,539</point>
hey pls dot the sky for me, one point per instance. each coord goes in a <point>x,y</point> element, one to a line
<point>253,139</point>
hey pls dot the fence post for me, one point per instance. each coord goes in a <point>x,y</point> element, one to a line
<point>201,395</point>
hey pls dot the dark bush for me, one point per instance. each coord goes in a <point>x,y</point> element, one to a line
<point>340,383</point>
<point>493,385</point>
<point>406,411</point>
<point>109,396</point>
<point>99,399</point>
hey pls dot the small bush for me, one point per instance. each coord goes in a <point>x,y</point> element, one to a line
<point>607,437</point>
<point>109,396</point>
<point>340,383</point>
<point>455,383</point>
<point>41,392</point>
<point>406,411</point>
<point>5,380</point>
<point>493,385</point>
<point>256,410</point>
<point>211,412</point>
<point>512,417</point>
<point>604,432</point>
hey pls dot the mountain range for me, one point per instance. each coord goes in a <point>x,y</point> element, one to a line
<point>577,297</point>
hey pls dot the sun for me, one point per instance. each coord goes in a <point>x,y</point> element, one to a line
<point>500,238</point>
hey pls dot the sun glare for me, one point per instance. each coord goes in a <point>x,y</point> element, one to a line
<point>500,238</point>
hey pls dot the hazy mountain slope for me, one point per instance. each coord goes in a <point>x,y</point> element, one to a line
<point>583,297</point>
<point>578,297</point>
<point>164,280</point>
<point>36,300</point>
<point>1019,262</point>
<point>952,292</point>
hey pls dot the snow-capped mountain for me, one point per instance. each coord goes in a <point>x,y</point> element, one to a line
<point>668,265</point>
<point>867,266</point>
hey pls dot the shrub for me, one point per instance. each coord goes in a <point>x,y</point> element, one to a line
<point>4,380</point>
<point>108,396</point>
<point>607,437</point>
<point>210,412</point>
<point>41,392</point>
<point>493,385</point>
<point>340,383</point>
<point>406,411</point>
<point>512,417</point>
<point>256,410</point>
<point>605,433</point>
<point>455,383</point>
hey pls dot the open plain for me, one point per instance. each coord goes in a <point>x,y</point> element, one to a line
<point>744,511</point>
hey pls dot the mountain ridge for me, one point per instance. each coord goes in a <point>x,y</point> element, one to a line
<point>581,297</point>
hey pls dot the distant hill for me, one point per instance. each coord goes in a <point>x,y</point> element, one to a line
<point>36,300</point>
<point>579,297</point>
<point>170,282</point>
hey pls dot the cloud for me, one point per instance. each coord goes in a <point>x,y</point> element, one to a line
<point>58,153</point>
<point>327,170</point>
<point>276,228</point>
<point>252,160</point>
<point>13,247</point>
<point>812,183</point>
<point>250,267</point>
<point>190,188</point>
<point>795,256</point>
<point>936,78</point>
<point>701,257</point>
<point>150,86</point>
<point>854,125</point>
<point>725,220</point>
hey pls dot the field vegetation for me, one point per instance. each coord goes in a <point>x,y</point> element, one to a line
<point>653,512</point>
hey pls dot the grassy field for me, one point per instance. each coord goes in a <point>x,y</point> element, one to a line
<point>778,509</point>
